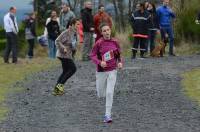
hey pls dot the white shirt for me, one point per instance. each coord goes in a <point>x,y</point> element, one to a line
<point>9,25</point>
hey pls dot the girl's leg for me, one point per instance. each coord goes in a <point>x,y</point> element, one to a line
<point>111,80</point>
<point>101,83</point>
<point>69,69</point>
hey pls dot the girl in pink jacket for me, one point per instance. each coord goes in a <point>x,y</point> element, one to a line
<point>106,55</point>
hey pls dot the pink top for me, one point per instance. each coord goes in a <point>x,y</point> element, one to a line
<point>108,51</point>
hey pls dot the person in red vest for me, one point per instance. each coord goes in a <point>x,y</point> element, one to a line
<point>140,21</point>
<point>99,18</point>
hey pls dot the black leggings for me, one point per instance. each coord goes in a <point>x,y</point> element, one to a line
<point>69,69</point>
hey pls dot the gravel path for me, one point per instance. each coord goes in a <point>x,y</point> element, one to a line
<point>148,98</point>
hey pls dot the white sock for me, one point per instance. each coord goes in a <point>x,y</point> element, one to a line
<point>108,110</point>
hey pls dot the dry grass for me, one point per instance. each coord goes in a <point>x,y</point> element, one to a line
<point>188,48</point>
<point>125,43</point>
<point>11,73</point>
<point>191,84</point>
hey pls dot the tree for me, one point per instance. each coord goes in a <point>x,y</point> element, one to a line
<point>44,8</point>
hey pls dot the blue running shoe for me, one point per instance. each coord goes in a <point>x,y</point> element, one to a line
<point>107,119</point>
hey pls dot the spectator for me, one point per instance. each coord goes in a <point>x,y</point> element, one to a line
<point>154,26</point>
<point>11,28</point>
<point>80,32</point>
<point>52,33</point>
<point>65,16</point>
<point>88,29</point>
<point>140,21</point>
<point>165,17</point>
<point>99,18</point>
<point>64,44</point>
<point>30,34</point>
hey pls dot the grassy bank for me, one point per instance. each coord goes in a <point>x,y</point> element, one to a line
<point>191,84</point>
<point>12,73</point>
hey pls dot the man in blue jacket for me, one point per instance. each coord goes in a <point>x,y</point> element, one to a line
<point>165,17</point>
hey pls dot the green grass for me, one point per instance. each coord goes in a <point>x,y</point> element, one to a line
<point>191,84</point>
<point>12,73</point>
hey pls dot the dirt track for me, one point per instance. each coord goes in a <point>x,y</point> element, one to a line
<point>148,98</point>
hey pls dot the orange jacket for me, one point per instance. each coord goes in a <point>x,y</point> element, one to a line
<point>101,17</point>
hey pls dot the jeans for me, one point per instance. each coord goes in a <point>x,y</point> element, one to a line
<point>52,48</point>
<point>31,43</point>
<point>169,32</point>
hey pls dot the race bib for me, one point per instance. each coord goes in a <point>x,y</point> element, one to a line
<point>108,56</point>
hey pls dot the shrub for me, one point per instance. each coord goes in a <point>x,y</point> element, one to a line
<point>185,27</point>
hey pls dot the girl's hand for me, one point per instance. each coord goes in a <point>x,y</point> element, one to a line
<point>120,65</point>
<point>65,50</point>
<point>103,64</point>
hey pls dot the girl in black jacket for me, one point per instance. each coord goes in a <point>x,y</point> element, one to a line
<point>53,32</point>
<point>30,33</point>
<point>154,26</point>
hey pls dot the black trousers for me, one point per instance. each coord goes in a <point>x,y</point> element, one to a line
<point>31,43</point>
<point>69,68</point>
<point>139,41</point>
<point>11,46</point>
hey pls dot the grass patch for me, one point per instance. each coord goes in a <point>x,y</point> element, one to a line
<point>12,73</point>
<point>191,84</point>
<point>188,48</point>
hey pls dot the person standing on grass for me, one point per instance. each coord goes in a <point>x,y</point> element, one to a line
<point>106,55</point>
<point>11,28</point>
<point>140,21</point>
<point>30,34</point>
<point>101,17</point>
<point>51,32</point>
<point>88,30</point>
<point>65,16</point>
<point>165,17</point>
<point>64,44</point>
<point>154,26</point>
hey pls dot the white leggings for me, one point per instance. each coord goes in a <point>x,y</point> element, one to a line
<point>105,84</point>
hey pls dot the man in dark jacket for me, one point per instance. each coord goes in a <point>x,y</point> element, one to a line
<point>165,17</point>
<point>140,21</point>
<point>88,29</point>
